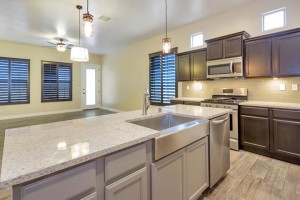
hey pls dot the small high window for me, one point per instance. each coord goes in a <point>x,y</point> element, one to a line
<point>197,40</point>
<point>274,19</point>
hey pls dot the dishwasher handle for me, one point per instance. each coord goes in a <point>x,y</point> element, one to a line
<point>219,121</point>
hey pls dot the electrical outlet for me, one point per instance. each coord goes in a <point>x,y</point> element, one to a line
<point>282,87</point>
<point>294,87</point>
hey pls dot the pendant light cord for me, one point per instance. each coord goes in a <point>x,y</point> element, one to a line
<point>166,19</point>
<point>79,26</point>
<point>87,6</point>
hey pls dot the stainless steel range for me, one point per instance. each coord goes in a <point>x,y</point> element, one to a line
<point>229,98</point>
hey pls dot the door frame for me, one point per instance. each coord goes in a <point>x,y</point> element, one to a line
<point>98,86</point>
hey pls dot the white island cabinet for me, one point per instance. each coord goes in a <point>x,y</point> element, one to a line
<point>182,175</point>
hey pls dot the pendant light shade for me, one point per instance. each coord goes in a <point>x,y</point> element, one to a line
<point>79,54</point>
<point>88,24</point>
<point>166,42</point>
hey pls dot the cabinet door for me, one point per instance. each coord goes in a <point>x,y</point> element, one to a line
<point>286,59</point>
<point>258,58</point>
<point>198,66</point>
<point>197,169</point>
<point>255,132</point>
<point>233,47</point>
<point>183,67</point>
<point>168,177</point>
<point>286,138</point>
<point>215,50</point>
<point>133,187</point>
<point>92,196</point>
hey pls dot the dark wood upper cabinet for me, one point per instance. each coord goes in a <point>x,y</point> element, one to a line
<point>191,66</point>
<point>215,50</point>
<point>198,66</point>
<point>183,68</point>
<point>227,46</point>
<point>286,55</point>
<point>233,47</point>
<point>258,58</point>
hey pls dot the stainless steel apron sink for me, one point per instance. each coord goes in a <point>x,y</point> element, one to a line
<point>176,132</point>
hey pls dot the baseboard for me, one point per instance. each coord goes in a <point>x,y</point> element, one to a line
<point>38,114</point>
<point>111,109</point>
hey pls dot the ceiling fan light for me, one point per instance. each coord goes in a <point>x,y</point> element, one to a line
<point>79,54</point>
<point>166,44</point>
<point>61,47</point>
<point>88,25</point>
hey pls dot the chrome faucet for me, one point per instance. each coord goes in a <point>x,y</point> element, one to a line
<point>146,101</point>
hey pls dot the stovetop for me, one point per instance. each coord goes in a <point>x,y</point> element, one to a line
<point>222,100</point>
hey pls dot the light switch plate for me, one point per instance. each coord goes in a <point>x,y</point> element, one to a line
<point>282,87</point>
<point>188,87</point>
<point>295,87</point>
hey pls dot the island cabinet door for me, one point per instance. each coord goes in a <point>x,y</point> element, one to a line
<point>131,187</point>
<point>197,169</point>
<point>168,177</point>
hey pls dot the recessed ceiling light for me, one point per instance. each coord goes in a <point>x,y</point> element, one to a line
<point>104,18</point>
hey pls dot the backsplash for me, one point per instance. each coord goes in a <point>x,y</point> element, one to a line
<point>259,89</point>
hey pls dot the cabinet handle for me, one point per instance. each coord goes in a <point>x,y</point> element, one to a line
<point>231,66</point>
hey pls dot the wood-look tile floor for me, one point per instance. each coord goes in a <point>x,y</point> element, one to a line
<point>251,176</point>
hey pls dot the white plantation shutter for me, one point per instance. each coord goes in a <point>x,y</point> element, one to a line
<point>56,82</point>
<point>14,81</point>
<point>162,78</point>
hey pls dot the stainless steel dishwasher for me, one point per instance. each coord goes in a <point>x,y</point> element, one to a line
<point>219,148</point>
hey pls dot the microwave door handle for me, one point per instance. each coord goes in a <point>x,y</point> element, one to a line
<point>231,66</point>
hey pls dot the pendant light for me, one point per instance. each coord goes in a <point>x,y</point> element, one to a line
<point>166,42</point>
<point>79,54</point>
<point>88,24</point>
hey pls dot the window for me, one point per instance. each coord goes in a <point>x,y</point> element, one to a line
<point>274,19</point>
<point>14,81</point>
<point>197,40</point>
<point>162,77</point>
<point>56,81</point>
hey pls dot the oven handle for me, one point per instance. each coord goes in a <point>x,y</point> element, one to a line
<point>220,121</point>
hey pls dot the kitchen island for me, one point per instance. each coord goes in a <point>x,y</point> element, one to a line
<point>38,152</point>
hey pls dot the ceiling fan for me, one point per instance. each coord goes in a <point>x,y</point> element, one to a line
<point>61,46</point>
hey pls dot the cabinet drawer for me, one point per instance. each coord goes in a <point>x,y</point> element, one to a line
<point>286,114</point>
<point>65,185</point>
<point>124,161</point>
<point>245,110</point>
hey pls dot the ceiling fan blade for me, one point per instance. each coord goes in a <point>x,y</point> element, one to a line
<point>51,43</point>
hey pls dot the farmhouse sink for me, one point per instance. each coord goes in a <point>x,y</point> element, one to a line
<point>176,132</point>
<point>163,122</point>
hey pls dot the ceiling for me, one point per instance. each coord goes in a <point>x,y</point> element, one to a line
<point>38,21</point>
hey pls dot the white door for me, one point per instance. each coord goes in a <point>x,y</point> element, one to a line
<point>90,84</point>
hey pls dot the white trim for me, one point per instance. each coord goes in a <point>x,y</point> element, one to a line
<point>38,114</point>
<point>111,109</point>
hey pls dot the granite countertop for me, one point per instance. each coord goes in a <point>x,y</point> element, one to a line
<point>188,99</point>
<point>35,151</point>
<point>269,104</point>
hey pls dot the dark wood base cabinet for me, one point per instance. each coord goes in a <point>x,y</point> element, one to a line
<point>271,132</point>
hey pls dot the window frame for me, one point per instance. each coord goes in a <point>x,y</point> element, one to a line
<point>28,82</point>
<point>42,82</point>
<point>194,34</point>
<point>173,50</point>
<point>272,12</point>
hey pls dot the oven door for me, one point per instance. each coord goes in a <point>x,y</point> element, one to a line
<point>234,130</point>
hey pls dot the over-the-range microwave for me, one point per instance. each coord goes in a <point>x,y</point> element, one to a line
<point>231,67</point>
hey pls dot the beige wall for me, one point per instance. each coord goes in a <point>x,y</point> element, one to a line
<point>36,54</point>
<point>259,89</point>
<point>125,73</point>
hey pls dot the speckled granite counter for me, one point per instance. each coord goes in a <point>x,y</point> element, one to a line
<point>271,104</point>
<point>188,99</point>
<point>35,151</point>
